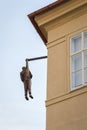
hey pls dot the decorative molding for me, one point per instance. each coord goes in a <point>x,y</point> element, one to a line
<point>66,96</point>
<point>59,21</point>
<point>59,11</point>
<point>57,41</point>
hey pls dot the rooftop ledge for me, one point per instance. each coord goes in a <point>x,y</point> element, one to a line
<point>44,15</point>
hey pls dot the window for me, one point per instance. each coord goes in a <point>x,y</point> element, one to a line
<point>78,58</point>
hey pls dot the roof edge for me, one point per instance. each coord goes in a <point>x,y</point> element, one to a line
<point>41,11</point>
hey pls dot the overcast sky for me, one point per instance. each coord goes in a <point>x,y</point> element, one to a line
<point>19,40</point>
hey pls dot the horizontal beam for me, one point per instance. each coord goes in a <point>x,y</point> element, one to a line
<point>37,58</point>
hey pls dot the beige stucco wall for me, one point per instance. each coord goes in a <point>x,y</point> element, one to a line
<point>58,82</point>
<point>65,109</point>
<point>68,114</point>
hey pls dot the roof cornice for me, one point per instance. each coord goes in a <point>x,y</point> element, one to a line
<point>42,11</point>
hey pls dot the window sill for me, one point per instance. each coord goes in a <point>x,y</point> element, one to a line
<point>68,95</point>
<point>78,87</point>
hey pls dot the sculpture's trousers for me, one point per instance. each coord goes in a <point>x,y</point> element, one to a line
<point>27,87</point>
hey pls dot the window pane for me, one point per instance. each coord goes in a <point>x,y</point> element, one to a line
<point>85,75</point>
<point>73,80</point>
<point>85,39</point>
<point>76,62</point>
<point>85,59</point>
<point>77,79</point>
<point>76,44</point>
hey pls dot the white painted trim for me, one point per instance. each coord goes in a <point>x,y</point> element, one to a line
<point>73,54</point>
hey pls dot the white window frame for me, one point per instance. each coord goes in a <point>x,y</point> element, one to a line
<point>83,49</point>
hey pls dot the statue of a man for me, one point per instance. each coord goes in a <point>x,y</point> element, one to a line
<point>26,77</point>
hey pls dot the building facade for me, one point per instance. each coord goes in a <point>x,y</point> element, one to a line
<point>63,28</point>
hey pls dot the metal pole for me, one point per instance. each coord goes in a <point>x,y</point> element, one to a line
<point>37,58</point>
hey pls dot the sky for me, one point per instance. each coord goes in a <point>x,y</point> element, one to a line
<point>18,41</point>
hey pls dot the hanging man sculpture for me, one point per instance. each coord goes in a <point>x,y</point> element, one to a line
<point>26,77</point>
